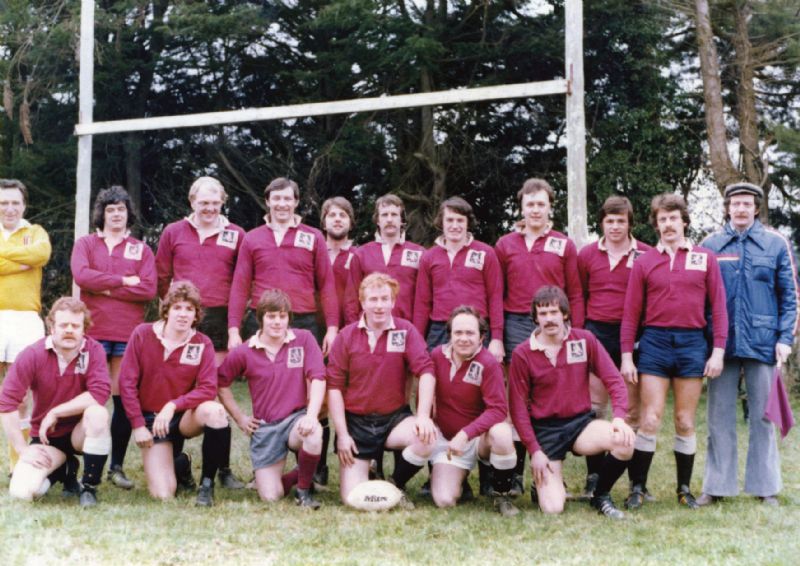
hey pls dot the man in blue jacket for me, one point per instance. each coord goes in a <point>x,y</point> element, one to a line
<point>759,270</point>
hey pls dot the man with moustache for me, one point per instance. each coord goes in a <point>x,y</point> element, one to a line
<point>202,248</point>
<point>604,267</point>
<point>284,254</point>
<point>669,289</point>
<point>68,376</point>
<point>24,250</point>
<point>390,253</point>
<point>117,278</point>
<point>760,275</point>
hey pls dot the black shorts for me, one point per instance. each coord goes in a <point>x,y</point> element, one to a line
<point>607,333</point>
<point>305,321</point>
<point>371,431</point>
<point>215,326</point>
<point>63,443</point>
<point>557,436</point>
<point>174,433</point>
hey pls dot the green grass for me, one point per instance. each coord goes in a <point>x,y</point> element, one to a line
<point>129,528</point>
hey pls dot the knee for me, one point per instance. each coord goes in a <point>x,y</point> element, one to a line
<point>313,442</point>
<point>501,438</point>
<point>421,449</point>
<point>650,422</point>
<point>622,452</point>
<point>270,494</point>
<point>551,505</point>
<point>684,424</point>
<point>95,420</point>
<point>163,492</point>
<point>212,414</point>
<point>444,500</point>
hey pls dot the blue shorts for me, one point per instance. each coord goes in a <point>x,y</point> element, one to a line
<point>673,352</point>
<point>113,349</point>
<point>518,328</point>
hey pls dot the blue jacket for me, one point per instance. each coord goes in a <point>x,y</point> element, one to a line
<point>760,275</point>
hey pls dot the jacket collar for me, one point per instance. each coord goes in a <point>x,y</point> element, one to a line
<point>756,233</point>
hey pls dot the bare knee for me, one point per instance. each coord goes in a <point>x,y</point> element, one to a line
<point>622,452</point>
<point>551,505</point>
<point>163,491</point>
<point>212,414</point>
<point>650,422</point>
<point>95,420</point>
<point>501,438</point>
<point>270,493</point>
<point>684,424</point>
<point>444,499</point>
<point>313,442</point>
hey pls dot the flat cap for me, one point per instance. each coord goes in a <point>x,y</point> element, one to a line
<point>744,188</point>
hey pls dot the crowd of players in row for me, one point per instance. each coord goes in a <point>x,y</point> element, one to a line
<point>517,348</point>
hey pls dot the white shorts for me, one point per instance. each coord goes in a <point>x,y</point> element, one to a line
<point>466,461</point>
<point>18,330</point>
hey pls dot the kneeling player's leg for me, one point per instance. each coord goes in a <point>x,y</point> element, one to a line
<point>92,436</point>
<point>415,453</point>
<point>598,438</point>
<point>497,445</point>
<point>594,462</point>
<point>551,491</point>
<point>159,470</point>
<point>309,449</point>
<point>687,394</point>
<point>269,482</point>
<point>209,418</point>
<point>351,476</point>
<point>32,469</point>
<point>446,482</point>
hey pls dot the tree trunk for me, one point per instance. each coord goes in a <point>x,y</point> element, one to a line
<point>722,167</point>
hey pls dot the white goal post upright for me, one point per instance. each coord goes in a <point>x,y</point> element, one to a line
<point>572,87</point>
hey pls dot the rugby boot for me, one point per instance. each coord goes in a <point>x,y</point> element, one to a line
<point>321,478</point>
<point>605,506</point>
<point>517,485</point>
<point>183,472</point>
<point>88,497</point>
<point>706,499</point>
<point>503,505</point>
<point>117,476</point>
<point>686,499</point>
<point>635,498</point>
<point>588,490</point>
<point>228,480</point>
<point>205,495</point>
<point>304,499</point>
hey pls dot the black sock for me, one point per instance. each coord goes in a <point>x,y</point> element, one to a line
<point>177,446</point>
<point>403,470</point>
<point>120,433</point>
<point>501,479</point>
<point>485,475</point>
<point>519,468</point>
<point>326,440</point>
<point>93,468</point>
<point>639,466</point>
<point>594,463</point>
<point>60,473</point>
<point>216,442</point>
<point>609,473</point>
<point>684,464</point>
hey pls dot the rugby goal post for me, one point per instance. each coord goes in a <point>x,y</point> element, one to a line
<point>572,87</point>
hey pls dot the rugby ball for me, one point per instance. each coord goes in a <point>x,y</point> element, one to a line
<point>374,495</point>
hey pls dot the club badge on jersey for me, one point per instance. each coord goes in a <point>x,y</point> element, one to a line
<point>295,357</point>
<point>410,258</point>
<point>133,250</point>
<point>396,341</point>
<point>475,259</point>
<point>191,354</point>
<point>555,245</point>
<point>228,239</point>
<point>83,363</point>
<point>304,240</point>
<point>696,261</point>
<point>632,257</point>
<point>576,351</point>
<point>474,375</point>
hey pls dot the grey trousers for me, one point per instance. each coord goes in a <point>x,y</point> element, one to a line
<point>763,470</point>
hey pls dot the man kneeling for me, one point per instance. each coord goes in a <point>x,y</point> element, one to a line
<point>68,376</point>
<point>551,405</point>
<point>470,412</point>
<point>168,383</point>
<point>278,362</point>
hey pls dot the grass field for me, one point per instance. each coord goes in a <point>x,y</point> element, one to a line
<point>129,528</point>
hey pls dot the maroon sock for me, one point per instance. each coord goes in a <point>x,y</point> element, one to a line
<point>288,480</point>
<point>306,466</point>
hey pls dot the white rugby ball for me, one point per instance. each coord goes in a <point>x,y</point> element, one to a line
<point>374,495</point>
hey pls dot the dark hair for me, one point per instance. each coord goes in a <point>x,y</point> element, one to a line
<point>483,326</point>
<point>535,185</point>
<point>114,194</point>
<point>15,184</point>
<point>282,183</point>
<point>70,304</point>
<point>668,202</point>
<point>550,295</point>
<point>182,291</point>
<point>459,206</point>
<point>389,200</point>
<point>616,204</point>
<point>273,300</point>
<point>339,202</point>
